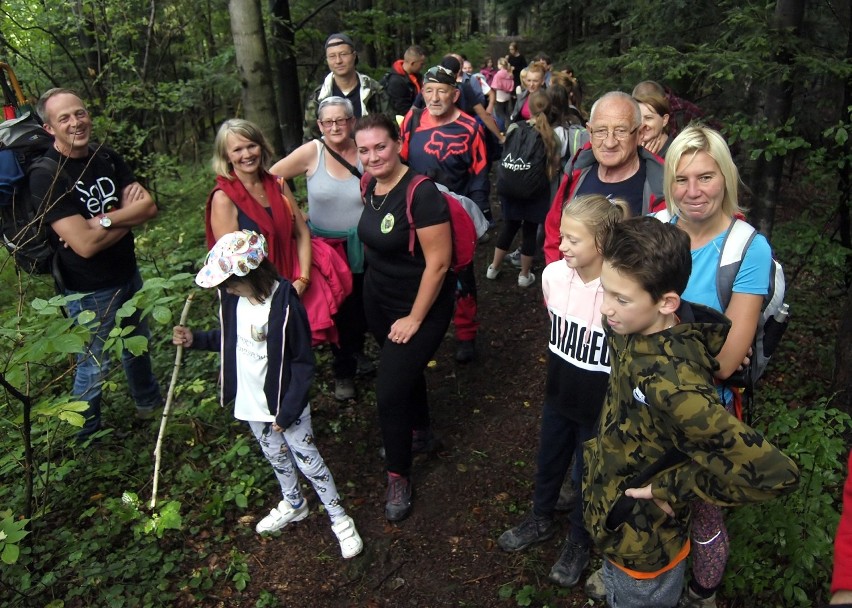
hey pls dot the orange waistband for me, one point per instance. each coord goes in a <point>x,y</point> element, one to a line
<point>682,555</point>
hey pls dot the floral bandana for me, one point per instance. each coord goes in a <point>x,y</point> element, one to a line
<point>236,253</point>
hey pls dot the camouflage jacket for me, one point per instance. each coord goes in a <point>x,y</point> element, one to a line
<point>661,406</point>
<point>373,100</point>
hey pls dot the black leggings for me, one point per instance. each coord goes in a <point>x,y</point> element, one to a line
<point>401,381</point>
<point>510,229</point>
<point>351,326</point>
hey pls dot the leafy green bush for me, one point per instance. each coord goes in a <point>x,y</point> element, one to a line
<point>781,550</point>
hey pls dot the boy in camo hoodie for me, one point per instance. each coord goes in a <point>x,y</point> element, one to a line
<point>663,438</point>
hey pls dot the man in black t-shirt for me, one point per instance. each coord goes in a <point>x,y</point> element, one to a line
<point>91,209</point>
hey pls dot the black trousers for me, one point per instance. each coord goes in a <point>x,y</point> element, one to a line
<point>401,396</point>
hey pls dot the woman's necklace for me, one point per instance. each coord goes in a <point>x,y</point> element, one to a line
<point>379,206</point>
<point>257,191</point>
<point>385,197</point>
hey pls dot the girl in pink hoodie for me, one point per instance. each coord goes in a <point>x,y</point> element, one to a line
<point>577,377</point>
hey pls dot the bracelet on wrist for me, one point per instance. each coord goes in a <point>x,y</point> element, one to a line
<point>304,280</point>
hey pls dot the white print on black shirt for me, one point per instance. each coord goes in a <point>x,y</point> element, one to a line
<point>101,197</point>
<point>569,340</point>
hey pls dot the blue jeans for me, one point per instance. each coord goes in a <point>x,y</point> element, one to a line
<point>93,364</point>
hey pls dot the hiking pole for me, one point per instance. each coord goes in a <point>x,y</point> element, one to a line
<point>169,397</point>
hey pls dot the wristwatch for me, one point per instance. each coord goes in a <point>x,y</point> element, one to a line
<point>104,221</point>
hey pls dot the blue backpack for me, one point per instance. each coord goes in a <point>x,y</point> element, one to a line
<point>23,142</point>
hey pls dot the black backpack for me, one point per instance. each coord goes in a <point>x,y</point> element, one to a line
<point>23,142</point>
<point>522,172</point>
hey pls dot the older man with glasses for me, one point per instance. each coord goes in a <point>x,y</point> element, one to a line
<point>612,163</point>
<point>366,95</point>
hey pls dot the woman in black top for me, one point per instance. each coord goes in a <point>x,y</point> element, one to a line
<point>408,296</point>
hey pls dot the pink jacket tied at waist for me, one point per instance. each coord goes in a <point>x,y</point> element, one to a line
<point>331,283</point>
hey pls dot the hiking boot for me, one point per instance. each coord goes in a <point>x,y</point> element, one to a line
<point>147,413</point>
<point>515,257</point>
<point>365,365</point>
<point>595,587</point>
<point>399,496</point>
<point>491,272</point>
<point>466,351</point>
<point>568,495</point>
<point>689,599</point>
<point>533,529</point>
<point>526,281</point>
<point>344,389</point>
<point>573,559</point>
<point>348,537</point>
<point>282,515</point>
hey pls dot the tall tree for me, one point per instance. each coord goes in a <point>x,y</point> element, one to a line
<point>253,66</point>
<point>766,182</point>
<point>287,74</point>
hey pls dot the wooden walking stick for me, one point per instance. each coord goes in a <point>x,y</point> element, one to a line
<point>164,420</point>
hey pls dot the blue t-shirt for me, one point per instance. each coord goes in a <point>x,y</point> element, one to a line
<point>752,278</point>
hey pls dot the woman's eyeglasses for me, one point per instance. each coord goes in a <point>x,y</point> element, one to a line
<point>337,122</point>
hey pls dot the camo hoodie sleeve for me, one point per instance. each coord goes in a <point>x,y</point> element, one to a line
<point>730,463</point>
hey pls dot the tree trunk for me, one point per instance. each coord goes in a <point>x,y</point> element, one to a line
<point>253,66</point>
<point>92,52</point>
<point>287,75</point>
<point>766,182</point>
<point>368,52</point>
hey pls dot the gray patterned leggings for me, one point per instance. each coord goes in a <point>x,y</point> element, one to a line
<point>296,443</point>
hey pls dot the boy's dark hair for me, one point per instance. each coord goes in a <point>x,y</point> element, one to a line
<point>655,254</point>
<point>261,280</point>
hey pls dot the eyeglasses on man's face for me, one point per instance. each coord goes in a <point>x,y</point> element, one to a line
<point>337,122</point>
<point>620,133</point>
<point>340,55</point>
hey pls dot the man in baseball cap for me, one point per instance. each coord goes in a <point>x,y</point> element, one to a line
<point>367,95</point>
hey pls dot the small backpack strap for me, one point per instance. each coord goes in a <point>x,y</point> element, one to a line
<point>663,215</point>
<point>409,198</point>
<point>737,240</point>
<point>368,184</point>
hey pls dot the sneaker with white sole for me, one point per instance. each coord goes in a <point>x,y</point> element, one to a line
<point>526,281</point>
<point>344,389</point>
<point>282,515</point>
<point>515,257</point>
<point>348,537</point>
<point>595,587</point>
<point>492,273</point>
<point>690,599</point>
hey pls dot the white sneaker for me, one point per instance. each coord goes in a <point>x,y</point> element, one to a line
<point>282,515</point>
<point>348,537</point>
<point>526,281</point>
<point>492,273</point>
<point>515,257</point>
